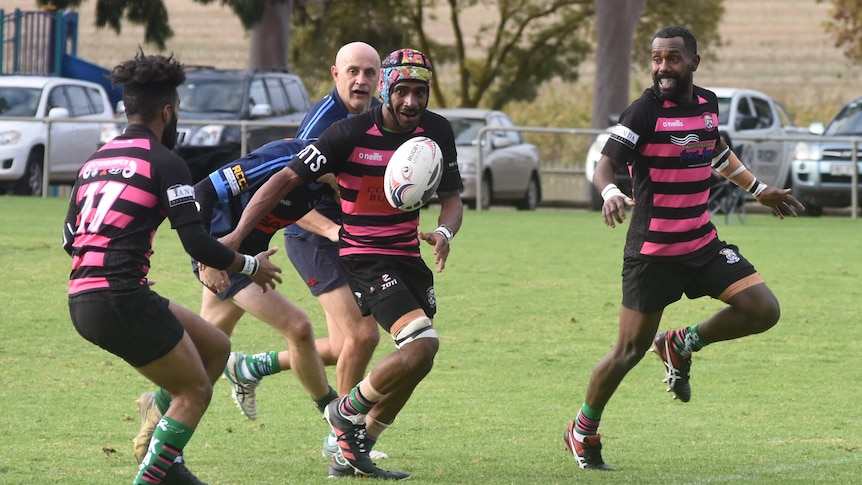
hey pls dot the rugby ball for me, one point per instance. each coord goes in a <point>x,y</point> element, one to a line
<point>413,174</point>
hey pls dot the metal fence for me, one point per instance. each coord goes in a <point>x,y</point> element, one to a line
<point>560,186</point>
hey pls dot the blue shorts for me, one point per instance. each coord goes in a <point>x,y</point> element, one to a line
<point>237,282</point>
<point>649,286</point>
<point>136,326</point>
<point>316,260</point>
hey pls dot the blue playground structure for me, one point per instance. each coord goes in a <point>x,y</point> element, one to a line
<point>46,43</point>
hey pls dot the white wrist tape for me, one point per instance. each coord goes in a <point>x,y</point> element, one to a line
<point>250,265</point>
<point>444,231</point>
<point>610,191</point>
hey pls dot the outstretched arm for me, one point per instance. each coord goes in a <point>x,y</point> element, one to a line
<point>728,165</point>
<point>451,215</point>
<point>263,201</point>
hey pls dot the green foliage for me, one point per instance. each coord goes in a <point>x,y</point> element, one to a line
<point>701,17</point>
<point>845,25</point>
<point>320,28</point>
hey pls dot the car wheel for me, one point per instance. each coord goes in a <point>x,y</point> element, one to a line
<point>487,188</point>
<point>531,196</point>
<point>31,182</point>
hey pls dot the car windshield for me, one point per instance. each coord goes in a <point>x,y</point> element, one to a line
<point>210,96</point>
<point>848,121</point>
<point>19,102</point>
<point>466,130</point>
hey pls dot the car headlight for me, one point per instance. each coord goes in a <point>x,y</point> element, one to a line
<point>10,137</point>
<point>209,135</point>
<point>467,168</point>
<point>802,151</point>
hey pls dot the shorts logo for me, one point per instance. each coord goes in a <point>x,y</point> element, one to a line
<point>388,282</point>
<point>730,255</point>
<point>432,299</point>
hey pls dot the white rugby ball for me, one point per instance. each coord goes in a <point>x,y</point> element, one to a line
<point>413,174</point>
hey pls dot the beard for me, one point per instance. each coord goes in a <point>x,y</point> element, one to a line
<point>683,84</point>
<point>169,136</point>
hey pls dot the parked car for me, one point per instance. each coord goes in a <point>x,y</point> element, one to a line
<point>510,166</point>
<point>821,170</point>
<point>228,94</point>
<point>743,113</point>
<point>22,142</point>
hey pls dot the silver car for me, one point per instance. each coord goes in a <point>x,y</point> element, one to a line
<point>510,166</point>
<point>821,170</point>
<point>68,102</point>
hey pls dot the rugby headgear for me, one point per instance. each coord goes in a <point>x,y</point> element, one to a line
<point>403,65</point>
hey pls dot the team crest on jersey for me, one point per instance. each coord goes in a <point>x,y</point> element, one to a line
<point>730,255</point>
<point>180,194</point>
<point>708,121</point>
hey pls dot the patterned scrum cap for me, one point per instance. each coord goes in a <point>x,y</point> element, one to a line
<point>400,65</point>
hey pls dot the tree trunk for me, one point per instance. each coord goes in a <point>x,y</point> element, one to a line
<point>616,21</point>
<point>269,39</point>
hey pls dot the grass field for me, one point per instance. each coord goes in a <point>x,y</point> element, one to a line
<point>528,304</point>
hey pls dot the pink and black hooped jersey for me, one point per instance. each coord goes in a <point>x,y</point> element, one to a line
<point>357,150</point>
<point>669,148</point>
<point>122,194</point>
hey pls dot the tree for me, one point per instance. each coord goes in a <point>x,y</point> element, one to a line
<point>515,47</point>
<point>615,26</point>
<point>268,23</point>
<point>624,31</point>
<point>522,44</point>
<point>845,25</point>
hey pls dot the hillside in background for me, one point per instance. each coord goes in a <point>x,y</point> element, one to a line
<point>777,46</point>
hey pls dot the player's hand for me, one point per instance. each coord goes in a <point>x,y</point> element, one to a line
<point>780,201</point>
<point>213,279</point>
<point>267,271</point>
<point>441,247</point>
<point>614,210</point>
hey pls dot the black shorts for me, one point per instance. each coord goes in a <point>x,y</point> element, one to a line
<point>316,260</point>
<point>236,283</point>
<point>389,287</point>
<point>650,286</point>
<point>136,326</point>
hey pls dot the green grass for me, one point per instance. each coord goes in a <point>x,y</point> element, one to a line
<point>528,304</point>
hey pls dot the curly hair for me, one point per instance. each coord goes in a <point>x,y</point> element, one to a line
<point>149,83</point>
<point>678,31</point>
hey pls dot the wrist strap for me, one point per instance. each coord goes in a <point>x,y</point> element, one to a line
<point>444,231</point>
<point>250,265</point>
<point>610,191</point>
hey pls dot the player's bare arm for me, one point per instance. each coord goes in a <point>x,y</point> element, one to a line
<point>449,222</point>
<point>614,207</point>
<point>263,201</point>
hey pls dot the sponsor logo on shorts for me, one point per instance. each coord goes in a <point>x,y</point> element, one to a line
<point>730,255</point>
<point>388,282</point>
<point>429,295</point>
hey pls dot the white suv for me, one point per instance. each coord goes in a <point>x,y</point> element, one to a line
<point>22,142</point>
